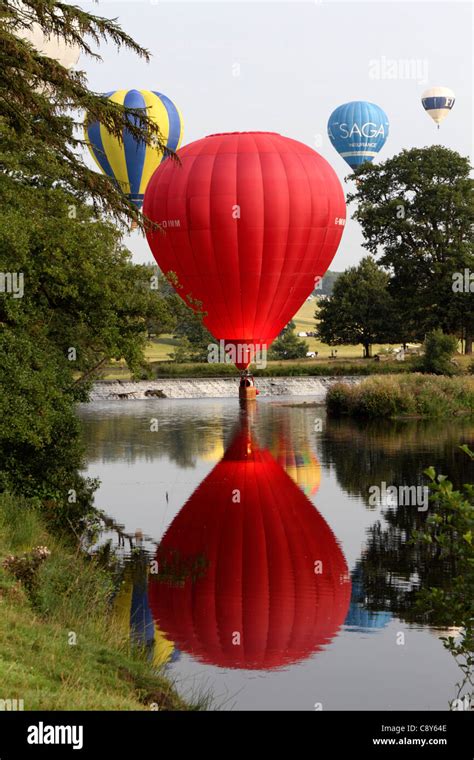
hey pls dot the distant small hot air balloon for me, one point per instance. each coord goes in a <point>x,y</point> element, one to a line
<point>437,102</point>
<point>358,130</point>
<point>131,163</point>
<point>55,47</point>
<point>250,218</point>
<point>250,574</point>
<point>52,47</point>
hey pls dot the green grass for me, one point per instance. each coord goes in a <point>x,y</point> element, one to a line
<point>305,321</point>
<point>158,350</point>
<point>298,368</point>
<point>404,395</point>
<point>349,359</point>
<point>303,368</point>
<point>72,594</point>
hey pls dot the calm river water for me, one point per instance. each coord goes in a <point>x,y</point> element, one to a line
<point>258,568</point>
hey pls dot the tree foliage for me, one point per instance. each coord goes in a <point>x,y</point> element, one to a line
<point>288,345</point>
<point>43,105</point>
<point>415,210</point>
<point>79,301</point>
<point>81,289</point>
<point>83,303</point>
<point>360,309</point>
<point>438,352</point>
<point>326,284</point>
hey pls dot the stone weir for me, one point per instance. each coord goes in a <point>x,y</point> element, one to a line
<point>202,387</point>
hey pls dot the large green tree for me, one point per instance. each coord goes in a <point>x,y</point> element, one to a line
<point>415,210</point>
<point>325,286</point>
<point>70,297</point>
<point>360,309</point>
<point>288,345</point>
<point>80,285</point>
<point>77,301</point>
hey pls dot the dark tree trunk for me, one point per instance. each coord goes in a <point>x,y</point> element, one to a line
<point>468,344</point>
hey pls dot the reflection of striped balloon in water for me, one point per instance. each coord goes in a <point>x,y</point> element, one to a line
<point>300,463</point>
<point>358,130</point>
<point>437,102</point>
<point>239,585</point>
<point>212,451</point>
<point>131,163</point>
<point>360,619</point>
<point>134,617</point>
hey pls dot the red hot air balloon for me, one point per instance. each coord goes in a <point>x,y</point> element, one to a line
<point>238,584</point>
<point>250,220</point>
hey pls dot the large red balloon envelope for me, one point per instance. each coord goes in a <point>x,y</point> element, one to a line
<point>250,220</point>
<point>250,574</point>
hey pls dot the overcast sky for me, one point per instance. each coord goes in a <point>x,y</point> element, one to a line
<point>285,66</point>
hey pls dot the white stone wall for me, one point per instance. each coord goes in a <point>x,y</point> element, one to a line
<point>214,387</point>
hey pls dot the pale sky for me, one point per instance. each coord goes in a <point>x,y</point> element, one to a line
<point>285,66</point>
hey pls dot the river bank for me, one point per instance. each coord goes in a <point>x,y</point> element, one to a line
<point>62,646</point>
<point>417,395</point>
<point>228,387</point>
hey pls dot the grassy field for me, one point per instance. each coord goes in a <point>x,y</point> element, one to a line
<point>297,368</point>
<point>70,595</point>
<point>305,321</point>
<point>349,359</point>
<point>159,349</point>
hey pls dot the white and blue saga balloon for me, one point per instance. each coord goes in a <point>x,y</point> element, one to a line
<point>358,131</point>
<point>438,102</point>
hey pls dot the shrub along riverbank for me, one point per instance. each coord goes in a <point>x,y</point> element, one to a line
<point>411,395</point>
<point>298,368</point>
<point>60,645</point>
<point>334,368</point>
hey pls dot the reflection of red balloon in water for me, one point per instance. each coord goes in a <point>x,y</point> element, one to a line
<point>250,220</point>
<point>247,590</point>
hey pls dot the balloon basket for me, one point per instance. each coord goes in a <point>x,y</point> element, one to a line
<point>247,389</point>
<point>248,394</point>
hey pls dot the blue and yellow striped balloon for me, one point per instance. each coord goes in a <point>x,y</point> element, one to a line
<point>131,163</point>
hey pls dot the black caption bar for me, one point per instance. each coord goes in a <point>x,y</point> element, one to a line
<point>88,734</point>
